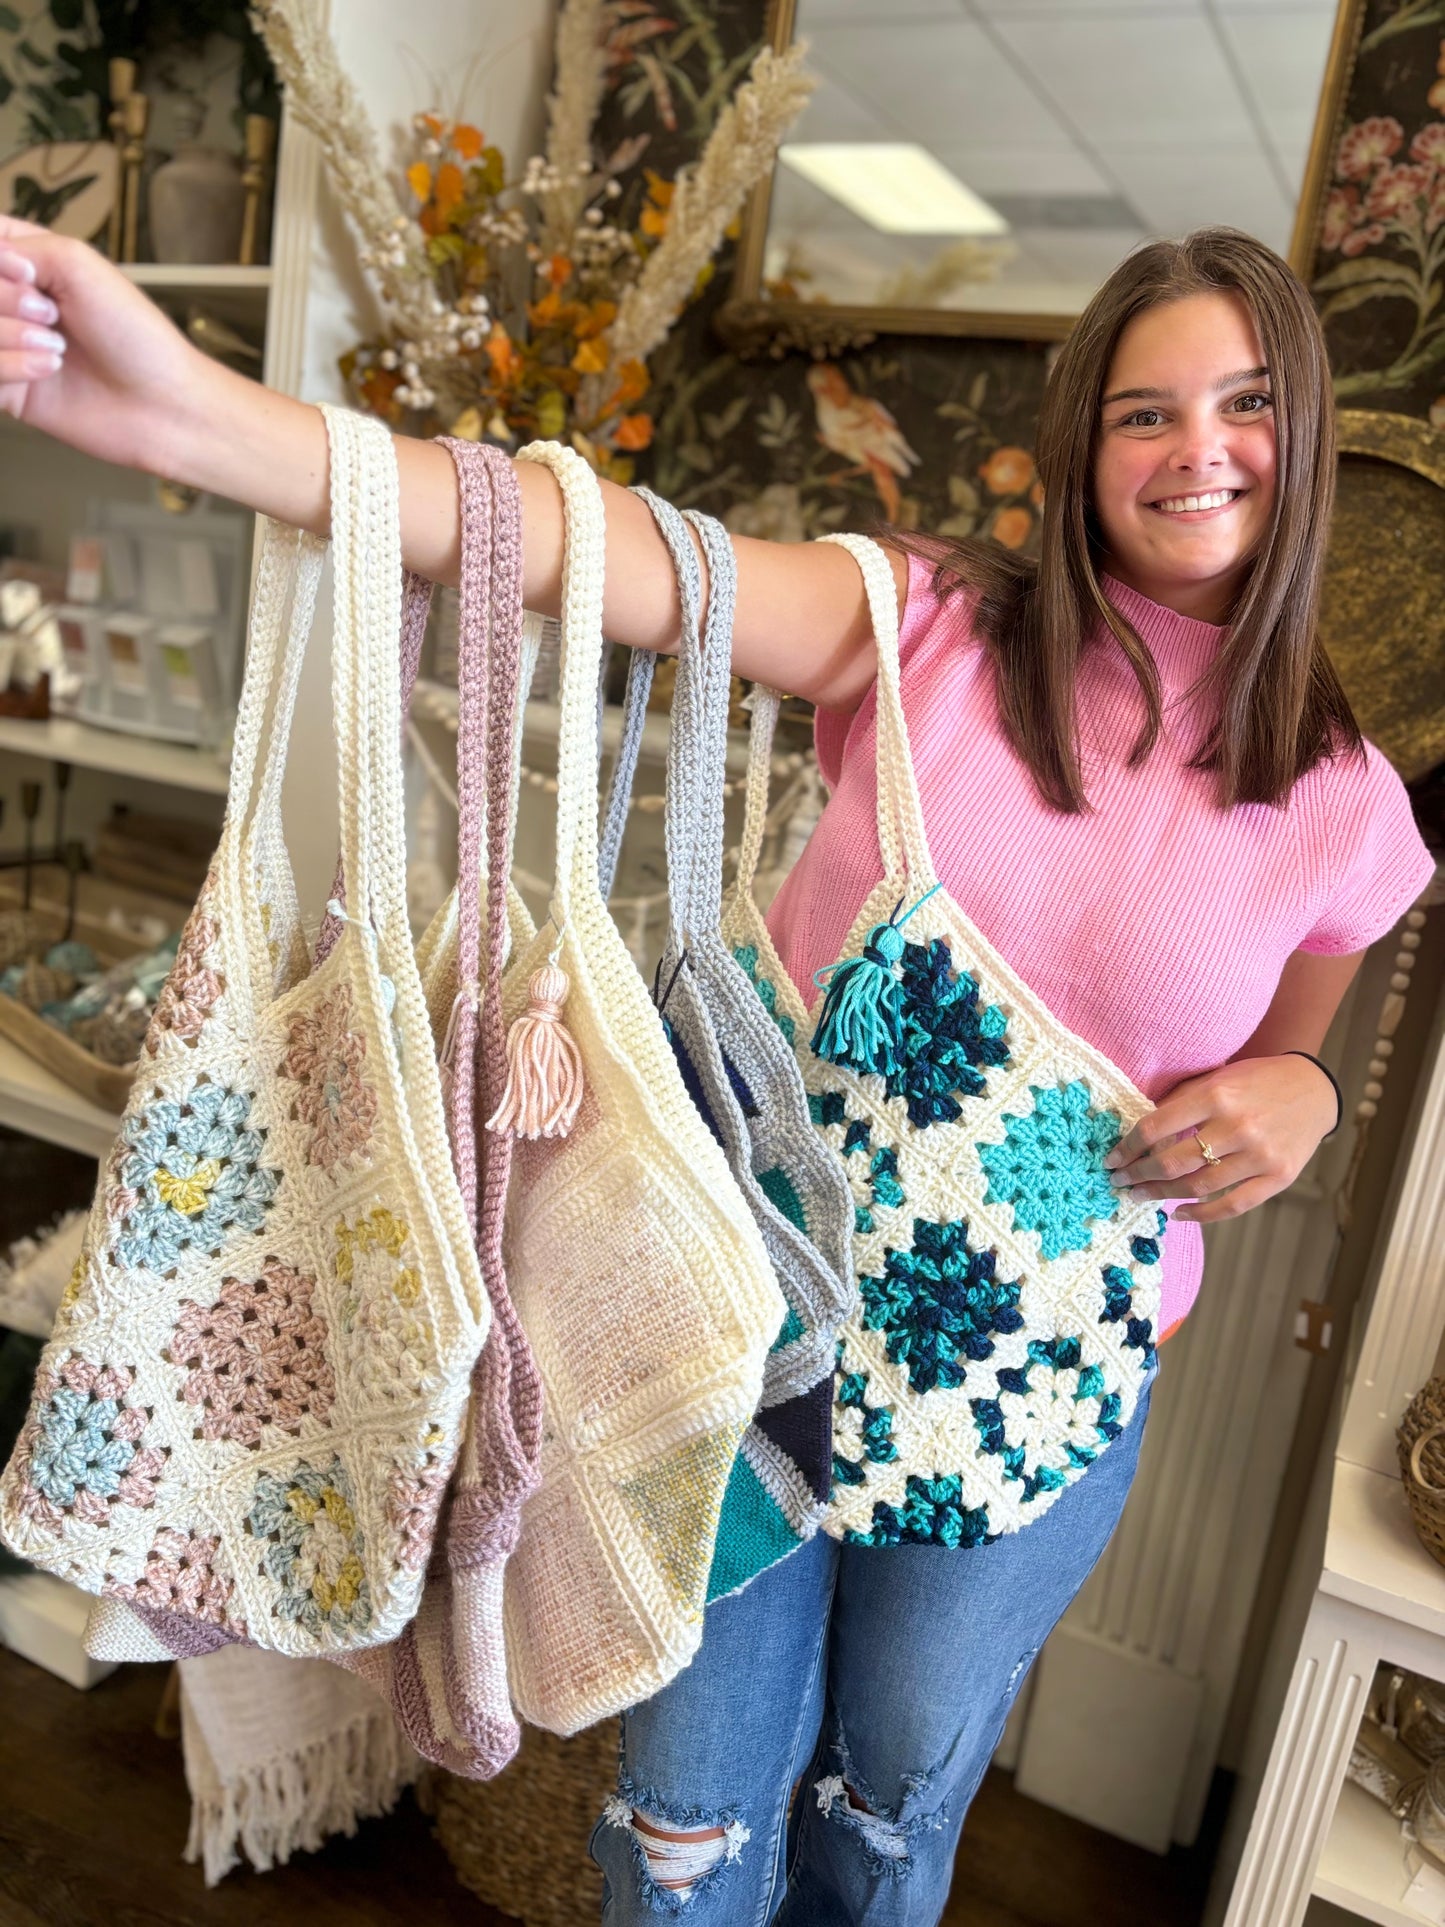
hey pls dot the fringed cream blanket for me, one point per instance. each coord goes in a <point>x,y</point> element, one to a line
<point>280,1754</point>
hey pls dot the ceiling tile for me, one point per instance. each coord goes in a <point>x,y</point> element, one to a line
<point>1174,193</point>
<point>1003,168</point>
<point>936,81</point>
<point>1281,56</point>
<point>835,113</point>
<point>814,13</point>
<point>1149,81</point>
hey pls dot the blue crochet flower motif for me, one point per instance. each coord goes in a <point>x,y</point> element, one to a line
<point>78,1448</point>
<point>828,1108</point>
<point>194,1175</point>
<point>1050,1167</point>
<point>948,1035</point>
<point>1119,1288</point>
<point>1051,1418</point>
<point>940,1304</point>
<point>870,1431</point>
<point>747,955</point>
<point>313,1547</point>
<point>932,1514</point>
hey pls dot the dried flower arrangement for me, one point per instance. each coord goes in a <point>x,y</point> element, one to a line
<point>521,305</point>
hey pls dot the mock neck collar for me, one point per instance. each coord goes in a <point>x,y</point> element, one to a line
<point>1182,646</point>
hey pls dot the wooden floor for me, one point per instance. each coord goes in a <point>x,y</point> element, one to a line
<point>93,1817</point>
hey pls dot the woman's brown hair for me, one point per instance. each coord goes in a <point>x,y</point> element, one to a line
<point>1281,707</point>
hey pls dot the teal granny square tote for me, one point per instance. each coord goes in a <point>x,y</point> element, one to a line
<point>1008,1296</point>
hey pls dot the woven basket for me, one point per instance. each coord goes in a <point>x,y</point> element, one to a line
<point>1421,1446</point>
<point>519,1842</point>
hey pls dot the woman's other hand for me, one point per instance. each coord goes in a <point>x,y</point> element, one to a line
<point>1258,1118</point>
<point>84,355</point>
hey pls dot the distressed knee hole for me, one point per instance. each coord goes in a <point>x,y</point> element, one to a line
<point>886,1839</point>
<point>676,1857</point>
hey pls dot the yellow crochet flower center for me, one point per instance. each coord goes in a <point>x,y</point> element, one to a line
<point>188,1195</point>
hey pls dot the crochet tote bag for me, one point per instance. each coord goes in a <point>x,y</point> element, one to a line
<point>637,1270</point>
<point>446,1677</point>
<point>1008,1295</point>
<point>261,1368</point>
<point>743,1077</point>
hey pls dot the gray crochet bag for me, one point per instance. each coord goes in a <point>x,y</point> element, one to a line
<point>744,1079</point>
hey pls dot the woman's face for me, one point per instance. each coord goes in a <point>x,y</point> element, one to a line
<point>1184,469</point>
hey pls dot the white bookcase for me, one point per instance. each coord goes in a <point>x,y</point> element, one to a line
<point>45,483</point>
<point>1379,1594</point>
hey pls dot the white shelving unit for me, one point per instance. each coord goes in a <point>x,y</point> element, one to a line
<point>1363,1863</point>
<point>1380,1596</point>
<point>31,1099</point>
<point>63,740</point>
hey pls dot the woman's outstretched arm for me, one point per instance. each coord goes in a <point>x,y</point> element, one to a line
<point>128,387</point>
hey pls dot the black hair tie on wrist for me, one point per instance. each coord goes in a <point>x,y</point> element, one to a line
<point>1334,1086</point>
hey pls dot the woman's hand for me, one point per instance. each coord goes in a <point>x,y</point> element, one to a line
<point>1259,1118</point>
<point>84,355</point>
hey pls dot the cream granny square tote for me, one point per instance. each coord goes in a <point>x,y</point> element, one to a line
<point>259,1374</point>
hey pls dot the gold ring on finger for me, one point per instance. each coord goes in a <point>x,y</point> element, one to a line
<point>1204,1150</point>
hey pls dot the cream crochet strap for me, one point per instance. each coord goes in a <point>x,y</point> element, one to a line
<point>446,1676</point>
<point>256,1387</point>
<point>1007,1295</point>
<point>639,1275</point>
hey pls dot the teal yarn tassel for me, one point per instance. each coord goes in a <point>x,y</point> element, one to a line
<point>861,1023</point>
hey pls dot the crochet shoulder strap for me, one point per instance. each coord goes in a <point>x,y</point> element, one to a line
<point>717,676</point>
<point>901,836</point>
<point>488,657</point>
<point>582,579</point>
<point>624,767</point>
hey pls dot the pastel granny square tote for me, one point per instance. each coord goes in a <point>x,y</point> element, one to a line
<point>638,1272</point>
<point>258,1378</point>
<point>743,1077</point>
<point>1008,1296</point>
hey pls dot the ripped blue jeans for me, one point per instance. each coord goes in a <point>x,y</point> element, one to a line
<point>875,1683</point>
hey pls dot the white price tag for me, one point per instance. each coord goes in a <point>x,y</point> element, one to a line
<point>1426,1893</point>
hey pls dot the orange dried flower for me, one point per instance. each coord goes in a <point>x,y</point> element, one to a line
<point>448,187</point>
<point>418,179</point>
<point>633,432</point>
<point>590,358</point>
<point>467,141</point>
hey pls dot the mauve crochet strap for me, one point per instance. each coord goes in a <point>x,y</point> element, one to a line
<point>624,768</point>
<point>416,607</point>
<point>505,1434</point>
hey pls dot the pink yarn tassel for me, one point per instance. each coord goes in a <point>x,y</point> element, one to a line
<point>544,1066</point>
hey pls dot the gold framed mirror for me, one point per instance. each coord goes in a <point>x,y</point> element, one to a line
<point>977,167</point>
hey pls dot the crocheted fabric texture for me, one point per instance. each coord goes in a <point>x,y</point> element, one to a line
<point>258,1379</point>
<point>1008,1295</point>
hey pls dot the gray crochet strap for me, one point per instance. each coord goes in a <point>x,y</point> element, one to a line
<point>682,819</point>
<point>624,767</point>
<point>710,766</point>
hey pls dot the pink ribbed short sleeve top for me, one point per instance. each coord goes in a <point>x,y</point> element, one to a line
<point>1157,924</point>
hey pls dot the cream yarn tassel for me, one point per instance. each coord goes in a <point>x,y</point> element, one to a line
<point>544,1066</point>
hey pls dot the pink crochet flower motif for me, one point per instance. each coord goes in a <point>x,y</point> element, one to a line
<point>256,1357</point>
<point>192,990</point>
<point>325,1057</point>
<point>186,1574</point>
<point>80,1450</point>
<point>413,1501</point>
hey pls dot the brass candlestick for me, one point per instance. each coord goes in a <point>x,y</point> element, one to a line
<point>122,86</point>
<point>137,112</point>
<point>256,179</point>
